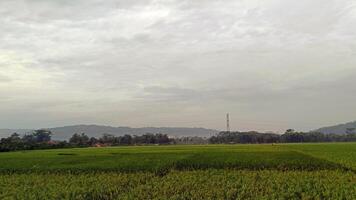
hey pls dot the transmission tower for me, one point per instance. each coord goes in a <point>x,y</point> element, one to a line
<point>227,122</point>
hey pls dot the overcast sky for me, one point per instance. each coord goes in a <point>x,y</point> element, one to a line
<point>272,64</point>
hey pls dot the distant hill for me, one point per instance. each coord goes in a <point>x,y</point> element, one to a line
<point>64,133</point>
<point>338,129</point>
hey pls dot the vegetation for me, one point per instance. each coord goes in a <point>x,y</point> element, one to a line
<point>164,158</point>
<point>214,171</point>
<point>41,139</point>
<point>290,136</point>
<point>283,171</point>
<point>244,138</point>
<point>199,184</point>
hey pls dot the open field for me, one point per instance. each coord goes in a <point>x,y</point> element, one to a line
<point>282,171</point>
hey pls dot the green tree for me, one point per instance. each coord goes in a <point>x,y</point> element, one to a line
<point>42,135</point>
<point>79,139</point>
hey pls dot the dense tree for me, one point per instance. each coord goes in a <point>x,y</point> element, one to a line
<point>107,139</point>
<point>126,139</point>
<point>79,139</point>
<point>244,138</point>
<point>41,139</point>
<point>190,140</point>
<point>350,130</point>
<point>42,135</point>
<point>93,141</point>
<point>290,136</point>
<point>29,138</point>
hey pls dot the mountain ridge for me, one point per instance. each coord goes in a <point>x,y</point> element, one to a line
<point>337,129</point>
<point>93,130</point>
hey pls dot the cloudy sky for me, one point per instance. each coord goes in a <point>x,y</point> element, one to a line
<point>272,64</point>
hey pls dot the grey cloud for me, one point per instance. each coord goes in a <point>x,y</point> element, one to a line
<point>312,17</point>
<point>4,78</point>
<point>260,59</point>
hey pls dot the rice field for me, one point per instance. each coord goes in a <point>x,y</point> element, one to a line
<point>282,171</point>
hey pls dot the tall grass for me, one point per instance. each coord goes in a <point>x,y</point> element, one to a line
<point>198,184</point>
<point>293,171</point>
<point>133,159</point>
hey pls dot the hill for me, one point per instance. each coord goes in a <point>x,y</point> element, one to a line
<point>338,129</point>
<point>63,133</point>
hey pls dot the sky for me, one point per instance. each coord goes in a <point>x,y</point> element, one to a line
<point>271,64</point>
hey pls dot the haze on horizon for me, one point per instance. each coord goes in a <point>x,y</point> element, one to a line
<point>272,64</point>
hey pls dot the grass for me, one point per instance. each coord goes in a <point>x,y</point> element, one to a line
<point>283,171</point>
<point>342,153</point>
<point>197,184</point>
<point>245,184</point>
<point>153,158</point>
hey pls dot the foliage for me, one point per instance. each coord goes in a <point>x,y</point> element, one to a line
<point>41,139</point>
<point>42,135</point>
<point>190,140</point>
<point>244,138</point>
<point>79,139</point>
<point>290,136</point>
<point>38,139</point>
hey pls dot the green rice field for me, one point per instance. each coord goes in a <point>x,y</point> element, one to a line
<point>279,171</point>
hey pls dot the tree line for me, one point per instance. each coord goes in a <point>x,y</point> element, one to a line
<point>111,140</point>
<point>290,136</point>
<point>41,139</point>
